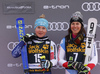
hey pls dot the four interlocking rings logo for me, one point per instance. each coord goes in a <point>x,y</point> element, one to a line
<point>11,45</point>
<point>58,26</point>
<point>91,6</point>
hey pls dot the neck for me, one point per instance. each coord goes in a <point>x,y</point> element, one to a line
<point>73,35</point>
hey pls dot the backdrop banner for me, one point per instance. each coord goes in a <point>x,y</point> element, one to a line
<point>57,12</point>
<point>18,7</point>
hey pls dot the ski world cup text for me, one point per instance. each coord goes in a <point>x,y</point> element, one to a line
<point>90,35</point>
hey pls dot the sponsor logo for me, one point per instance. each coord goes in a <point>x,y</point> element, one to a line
<point>34,65</point>
<point>20,28</point>
<point>91,28</point>
<point>56,7</point>
<point>29,42</point>
<point>58,26</point>
<point>38,49</point>
<point>89,42</point>
<point>11,45</point>
<point>18,7</point>
<point>14,65</point>
<point>91,6</point>
<point>14,26</point>
<point>53,26</point>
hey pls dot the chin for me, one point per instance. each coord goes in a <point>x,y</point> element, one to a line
<point>40,36</point>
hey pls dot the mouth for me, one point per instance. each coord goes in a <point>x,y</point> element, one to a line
<point>40,33</point>
<point>75,29</point>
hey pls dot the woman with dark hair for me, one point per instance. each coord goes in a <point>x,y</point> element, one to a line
<point>72,48</point>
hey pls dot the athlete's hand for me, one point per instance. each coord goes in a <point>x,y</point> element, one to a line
<point>84,70</point>
<point>45,63</point>
<point>26,71</point>
<point>80,67</point>
<point>70,64</point>
<point>26,37</point>
<point>77,66</point>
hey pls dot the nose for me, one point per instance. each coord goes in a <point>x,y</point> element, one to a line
<point>40,29</point>
<point>75,25</point>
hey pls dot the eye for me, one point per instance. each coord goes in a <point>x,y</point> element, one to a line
<point>77,23</point>
<point>43,28</point>
<point>38,27</point>
<point>72,24</point>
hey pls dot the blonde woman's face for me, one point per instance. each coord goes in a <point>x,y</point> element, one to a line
<point>40,31</point>
<point>75,27</point>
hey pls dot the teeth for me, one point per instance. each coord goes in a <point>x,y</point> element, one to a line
<point>74,29</point>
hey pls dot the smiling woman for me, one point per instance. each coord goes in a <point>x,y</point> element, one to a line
<point>41,26</point>
<point>38,45</point>
<point>75,27</point>
<point>72,47</point>
<point>40,31</point>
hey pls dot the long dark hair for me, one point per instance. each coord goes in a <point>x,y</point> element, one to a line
<point>82,31</point>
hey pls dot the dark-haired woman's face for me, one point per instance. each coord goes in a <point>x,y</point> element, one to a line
<point>75,27</point>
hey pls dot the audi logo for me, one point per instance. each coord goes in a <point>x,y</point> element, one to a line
<point>11,45</point>
<point>58,26</point>
<point>91,6</point>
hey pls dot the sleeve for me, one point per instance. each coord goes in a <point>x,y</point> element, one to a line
<point>94,57</point>
<point>61,54</point>
<point>17,50</point>
<point>53,53</point>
